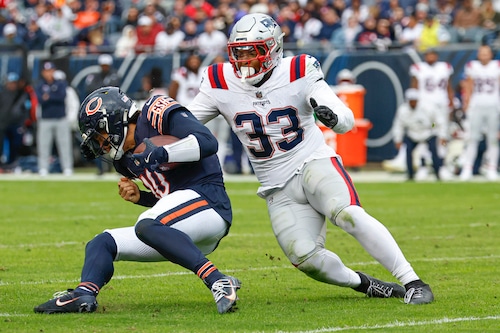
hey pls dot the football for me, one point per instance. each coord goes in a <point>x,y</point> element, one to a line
<point>159,140</point>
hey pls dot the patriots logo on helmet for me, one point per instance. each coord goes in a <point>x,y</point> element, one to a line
<point>268,23</point>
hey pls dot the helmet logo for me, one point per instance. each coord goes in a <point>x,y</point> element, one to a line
<point>268,23</point>
<point>91,109</point>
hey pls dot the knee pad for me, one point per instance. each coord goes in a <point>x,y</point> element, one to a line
<point>300,251</point>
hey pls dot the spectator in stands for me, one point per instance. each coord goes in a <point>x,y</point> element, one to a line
<point>125,45</point>
<point>86,16</point>
<point>368,34</point>
<point>330,23</point>
<point>410,36</point>
<point>178,11</point>
<point>190,42</point>
<point>287,19</point>
<point>92,40</point>
<point>211,41</point>
<point>110,18</point>
<point>344,38</point>
<point>132,17</point>
<point>421,11</point>
<point>57,24</point>
<point>10,36</point>
<point>467,23</point>
<point>491,21</point>
<point>52,124</point>
<point>445,10</point>
<point>224,17</point>
<point>169,40</point>
<point>357,9</point>
<point>398,21</point>
<point>389,8</point>
<point>307,28</point>
<point>433,34</point>
<point>338,5</point>
<point>154,10</point>
<point>385,35</point>
<point>194,6</point>
<point>147,30</point>
<point>34,39</point>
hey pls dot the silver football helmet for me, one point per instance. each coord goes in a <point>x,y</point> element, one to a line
<point>261,35</point>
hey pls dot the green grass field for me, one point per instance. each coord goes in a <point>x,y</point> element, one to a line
<point>448,231</point>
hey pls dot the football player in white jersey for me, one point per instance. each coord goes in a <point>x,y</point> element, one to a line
<point>481,104</point>
<point>270,102</point>
<point>185,80</point>
<point>432,78</point>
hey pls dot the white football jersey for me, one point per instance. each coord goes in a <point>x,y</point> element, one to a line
<point>189,84</point>
<point>275,121</point>
<point>432,80</point>
<point>486,82</point>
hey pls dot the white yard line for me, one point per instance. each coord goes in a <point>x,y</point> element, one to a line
<point>395,324</point>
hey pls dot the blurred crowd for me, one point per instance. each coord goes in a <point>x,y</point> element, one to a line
<point>121,28</point>
<point>127,27</point>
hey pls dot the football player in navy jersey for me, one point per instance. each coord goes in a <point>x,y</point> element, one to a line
<point>189,212</point>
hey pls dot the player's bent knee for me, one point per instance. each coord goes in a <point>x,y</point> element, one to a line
<point>102,242</point>
<point>312,266</point>
<point>143,228</point>
<point>301,250</point>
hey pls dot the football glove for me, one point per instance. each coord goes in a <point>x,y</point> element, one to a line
<point>152,156</point>
<point>324,114</point>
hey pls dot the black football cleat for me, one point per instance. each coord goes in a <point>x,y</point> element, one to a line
<point>68,301</point>
<point>418,292</point>
<point>224,291</point>
<point>381,289</point>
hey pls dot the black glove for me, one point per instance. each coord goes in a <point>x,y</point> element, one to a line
<point>152,156</point>
<point>324,114</point>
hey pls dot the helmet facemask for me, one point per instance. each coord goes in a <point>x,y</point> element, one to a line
<point>243,68</point>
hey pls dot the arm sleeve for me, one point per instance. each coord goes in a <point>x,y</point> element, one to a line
<point>146,199</point>
<point>182,123</point>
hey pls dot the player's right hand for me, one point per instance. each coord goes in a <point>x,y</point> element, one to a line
<point>128,190</point>
<point>324,114</point>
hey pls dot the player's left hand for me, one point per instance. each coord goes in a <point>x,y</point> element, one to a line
<point>324,114</point>
<point>151,157</point>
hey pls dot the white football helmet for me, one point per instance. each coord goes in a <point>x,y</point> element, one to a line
<point>260,33</point>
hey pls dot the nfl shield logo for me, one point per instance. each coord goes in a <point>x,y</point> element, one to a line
<point>258,94</point>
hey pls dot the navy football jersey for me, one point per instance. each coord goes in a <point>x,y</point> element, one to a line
<point>162,115</point>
